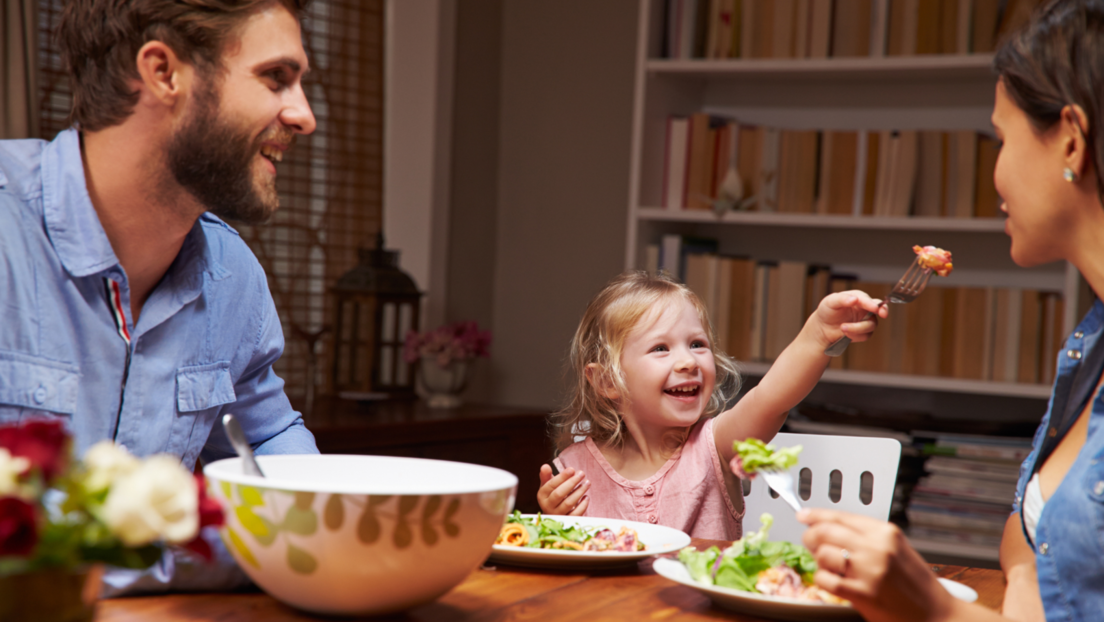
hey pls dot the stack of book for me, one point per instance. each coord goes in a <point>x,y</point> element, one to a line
<point>972,333</point>
<point>837,28</point>
<point>926,173</point>
<point>963,502</point>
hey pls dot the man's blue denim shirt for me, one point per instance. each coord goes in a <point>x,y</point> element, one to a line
<point>1069,537</point>
<point>203,345</point>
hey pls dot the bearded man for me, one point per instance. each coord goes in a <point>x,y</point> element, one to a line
<point>129,308</point>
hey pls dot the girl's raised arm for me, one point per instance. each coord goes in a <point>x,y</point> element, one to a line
<point>762,411</point>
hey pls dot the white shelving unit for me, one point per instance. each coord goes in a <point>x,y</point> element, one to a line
<point>871,93</point>
<point>917,92</point>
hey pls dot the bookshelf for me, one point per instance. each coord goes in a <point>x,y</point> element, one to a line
<point>933,92</point>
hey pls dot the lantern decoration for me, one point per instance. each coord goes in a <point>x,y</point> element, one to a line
<point>376,305</point>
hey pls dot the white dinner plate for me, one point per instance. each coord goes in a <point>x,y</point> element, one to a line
<point>656,538</point>
<point>774,607</point>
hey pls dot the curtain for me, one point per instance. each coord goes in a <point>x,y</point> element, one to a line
<point>18,51</point>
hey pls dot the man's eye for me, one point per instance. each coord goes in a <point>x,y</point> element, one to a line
<point>278,77</point>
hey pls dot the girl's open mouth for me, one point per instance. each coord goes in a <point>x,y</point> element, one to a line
<point>683,391</point>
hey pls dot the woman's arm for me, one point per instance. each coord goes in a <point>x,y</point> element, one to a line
<point>1021,598</point>
<point>762,411</point>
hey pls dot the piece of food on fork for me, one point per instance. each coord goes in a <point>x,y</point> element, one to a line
<point>935,259</point>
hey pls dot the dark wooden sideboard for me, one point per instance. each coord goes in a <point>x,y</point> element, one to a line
<point>513,439</point>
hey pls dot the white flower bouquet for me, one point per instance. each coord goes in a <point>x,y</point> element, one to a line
<point>110,507</point>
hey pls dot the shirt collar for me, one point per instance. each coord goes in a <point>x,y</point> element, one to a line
<point>71,221</point>
<point>79,238</point>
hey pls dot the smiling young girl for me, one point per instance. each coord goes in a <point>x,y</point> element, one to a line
<point>648,379</point>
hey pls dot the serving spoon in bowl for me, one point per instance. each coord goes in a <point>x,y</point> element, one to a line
<point>241,445</point>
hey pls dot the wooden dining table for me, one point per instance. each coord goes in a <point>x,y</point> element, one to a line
<point>500,592</point>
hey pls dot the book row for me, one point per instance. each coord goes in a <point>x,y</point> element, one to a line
<point>926,173</point>
<point>720,29</point>
<point>973,333</point>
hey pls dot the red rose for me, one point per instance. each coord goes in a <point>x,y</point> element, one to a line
<point>210,515</point>
<point>18,530</point>
<point>42,441</point>
<point>210,510</point>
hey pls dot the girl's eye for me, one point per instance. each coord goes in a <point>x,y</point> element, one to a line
<point>699,344</point>
<point>659,349</point>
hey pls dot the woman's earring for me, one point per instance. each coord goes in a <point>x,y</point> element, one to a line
<point>1068,175</point>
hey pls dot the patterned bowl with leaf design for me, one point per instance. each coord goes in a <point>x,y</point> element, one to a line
<point>359,535</point>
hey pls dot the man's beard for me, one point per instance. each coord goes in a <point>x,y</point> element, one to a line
<point>212,159</point>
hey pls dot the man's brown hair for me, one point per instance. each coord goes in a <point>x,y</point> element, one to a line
<point>99,42</point>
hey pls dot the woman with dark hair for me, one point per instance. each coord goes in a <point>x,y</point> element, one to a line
<point>1049,104</point>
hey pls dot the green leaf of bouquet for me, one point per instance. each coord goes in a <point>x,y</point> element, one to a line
<point>237,544</point>
<point>303,500</point>
<point>300,521</point>
<point>261,528</point>
<point>301,561</point>
<point>250,495</point>
<point>334,514</point>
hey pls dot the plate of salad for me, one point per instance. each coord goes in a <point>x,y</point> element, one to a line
<point>581,542</point>
<point>770,579</point>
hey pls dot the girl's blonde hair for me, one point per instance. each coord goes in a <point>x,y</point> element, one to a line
<point>600,338</point>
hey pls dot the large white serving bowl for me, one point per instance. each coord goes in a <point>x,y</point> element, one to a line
<point>359,535</point>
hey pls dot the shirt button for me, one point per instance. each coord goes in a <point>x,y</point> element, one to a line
<point>1078,335</point>
<point>40,394</point>
<point>1074,354</point>
<point>652,519</point>
<point>1052,432</point>
<point>649,490</point>
<point>1099,488</point>
<point>1043,548</point>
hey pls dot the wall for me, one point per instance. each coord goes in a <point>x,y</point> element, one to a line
<point>474,176</point>
<point>564,143</point>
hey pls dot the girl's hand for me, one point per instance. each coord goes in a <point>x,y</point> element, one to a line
<point>881,574</point>
<point>564,494</point>
<point>842,314</point>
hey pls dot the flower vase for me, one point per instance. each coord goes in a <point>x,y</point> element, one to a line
<point>51,594</point>
<point>443,384</point>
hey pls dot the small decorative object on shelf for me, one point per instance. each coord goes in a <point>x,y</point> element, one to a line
<point>443,356</point>
<point>376,304</point>
<point>61,520</point>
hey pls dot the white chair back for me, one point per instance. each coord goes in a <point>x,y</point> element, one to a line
<point>865,469</point>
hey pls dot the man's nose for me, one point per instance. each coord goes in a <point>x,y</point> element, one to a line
<point>297,114</point>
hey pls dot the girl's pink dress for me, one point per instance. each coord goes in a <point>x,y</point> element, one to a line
<point>687,493</point>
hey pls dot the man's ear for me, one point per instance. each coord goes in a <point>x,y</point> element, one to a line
<point>601,382</point>
<point>162,72</point>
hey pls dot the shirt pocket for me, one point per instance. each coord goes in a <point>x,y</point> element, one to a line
<point>31,385</point>
<point>200,387</point>
<point>200,391</point>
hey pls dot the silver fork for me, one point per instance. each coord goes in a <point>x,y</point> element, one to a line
<point>906,290</point>
<point>781,481</point>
